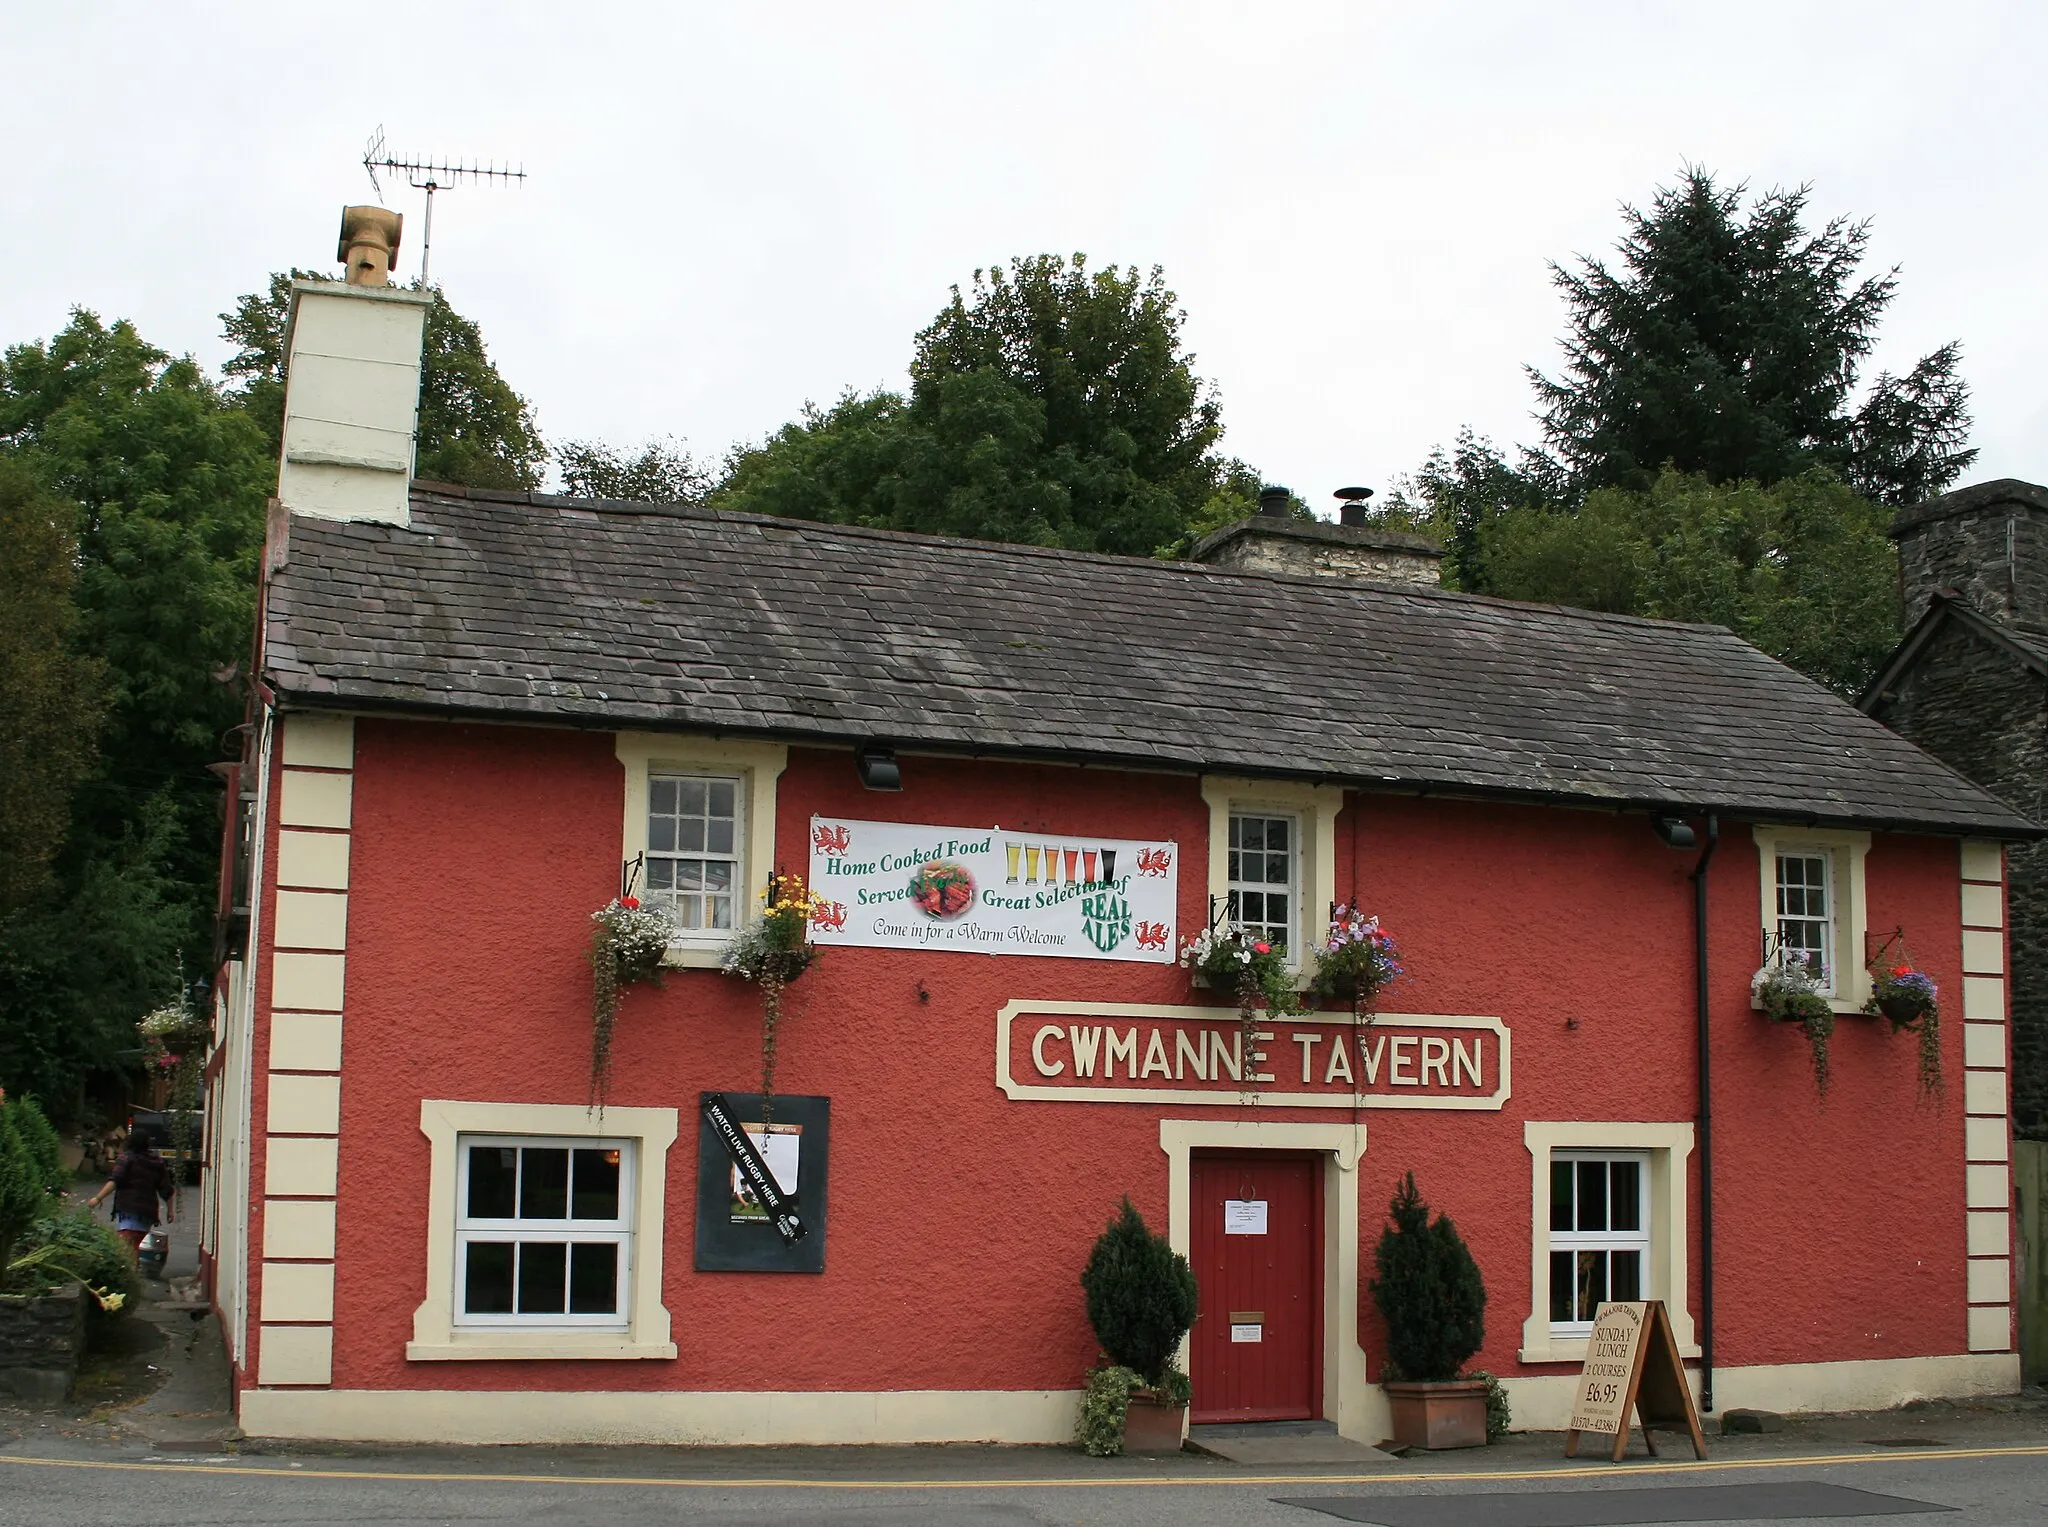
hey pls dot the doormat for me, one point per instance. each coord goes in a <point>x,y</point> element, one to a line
<point>1773,1501</point>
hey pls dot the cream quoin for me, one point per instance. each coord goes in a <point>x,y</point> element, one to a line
<point>481,716</point>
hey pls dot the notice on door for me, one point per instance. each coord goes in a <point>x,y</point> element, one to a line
<point>1247,1332</point>
<point>1244,1216</point>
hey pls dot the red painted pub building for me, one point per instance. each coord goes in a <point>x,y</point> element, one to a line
<point>1019,781</point>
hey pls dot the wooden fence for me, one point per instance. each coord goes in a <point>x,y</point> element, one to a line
<point>2030,1188</point>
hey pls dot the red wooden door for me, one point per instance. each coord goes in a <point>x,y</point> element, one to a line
<point>1256,1353</point>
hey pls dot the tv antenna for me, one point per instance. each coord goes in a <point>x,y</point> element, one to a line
<point>430,175</point>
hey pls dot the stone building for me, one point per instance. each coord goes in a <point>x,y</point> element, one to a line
<point>1970,684</point>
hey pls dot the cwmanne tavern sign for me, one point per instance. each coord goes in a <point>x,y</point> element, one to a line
<point>1129,1052</point>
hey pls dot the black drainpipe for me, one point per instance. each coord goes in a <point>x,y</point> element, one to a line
<point>1706,1115</point>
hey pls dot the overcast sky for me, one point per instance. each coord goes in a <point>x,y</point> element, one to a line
<point>733,209</point>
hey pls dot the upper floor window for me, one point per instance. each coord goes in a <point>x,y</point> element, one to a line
<point>1264,876</point>
<point>1814,906</point>
<point>694,863</point>
<point>1806,913</point>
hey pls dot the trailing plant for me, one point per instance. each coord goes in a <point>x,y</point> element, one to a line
<point>772,951</point>
<point>1251,971</point>
<point>1500,1415</point>
<point>1357,962</point>
<point>1788,992</point>
<point>627,942</point>
<point>1141,1298</point>
<point>175,1040</point>
<point>1908,999</point>
<point>71,1246</point>
<point>1428,1291</point>
<point>1105,1401</point>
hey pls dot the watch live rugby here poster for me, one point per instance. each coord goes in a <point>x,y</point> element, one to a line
<point>898,885</point>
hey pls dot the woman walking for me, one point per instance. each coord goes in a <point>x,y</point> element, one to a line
<point>141,1177</point>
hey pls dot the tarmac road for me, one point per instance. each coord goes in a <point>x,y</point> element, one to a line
<point>1990,1487</point>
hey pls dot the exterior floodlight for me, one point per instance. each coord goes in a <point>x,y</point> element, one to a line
<point>1675,831</point>
<point>877,764</point>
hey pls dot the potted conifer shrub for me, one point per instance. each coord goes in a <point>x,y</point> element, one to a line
<point>1434,1303</point>
<point>1141,1301</point>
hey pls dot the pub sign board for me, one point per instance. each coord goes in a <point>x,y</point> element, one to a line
<point>736,1230</point>
<point>1136,1052</point>
<point>983,890</point>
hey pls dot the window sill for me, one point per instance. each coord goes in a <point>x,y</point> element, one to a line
<point>693,957</point>
<point>516,1346</point>
<point>1839,1006</point>
<point>1572,1349</point>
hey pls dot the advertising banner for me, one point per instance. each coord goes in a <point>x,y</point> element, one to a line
<point>900,885</point>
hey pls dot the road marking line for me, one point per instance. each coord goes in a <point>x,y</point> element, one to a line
<point>1637,1469</point>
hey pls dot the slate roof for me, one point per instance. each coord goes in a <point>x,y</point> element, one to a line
<point>514,606</point>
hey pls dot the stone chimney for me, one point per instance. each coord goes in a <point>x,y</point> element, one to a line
<point>1987,542</point>
<point>1270,542</point>
<point>352,383</point>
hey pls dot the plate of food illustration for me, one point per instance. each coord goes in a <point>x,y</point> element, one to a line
<point>943,890</point>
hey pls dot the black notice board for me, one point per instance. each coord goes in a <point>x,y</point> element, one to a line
<point>728,1239</point>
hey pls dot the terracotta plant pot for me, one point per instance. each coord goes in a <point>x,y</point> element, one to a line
<point>1445,1415</point>
<point>1153,1426</point>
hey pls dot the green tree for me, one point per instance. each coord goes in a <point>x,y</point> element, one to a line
<point>473,428</point>
<point>1727,341</point>
<point>1456,496</point>
<point>1428,1290</point>
<point>169,478</point>
<point>660,472</point>
<point>1141,1296</point>
<point>1050,405</point>
<point>52,698</point>
<point>1802,569</point>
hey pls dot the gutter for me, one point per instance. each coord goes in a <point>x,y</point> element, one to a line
<point>1706,1111</point>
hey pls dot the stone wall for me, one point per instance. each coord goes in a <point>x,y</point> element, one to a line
<point>1985,715</point>
<point>1995,554</point>
<point>42,1339</point>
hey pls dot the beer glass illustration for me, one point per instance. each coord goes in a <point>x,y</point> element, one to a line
<point>1013,851</point>
<point>1031,864</point>
<point>1109,866</point>
<point>1088,865</point>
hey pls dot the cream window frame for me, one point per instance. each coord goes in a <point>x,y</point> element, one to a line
<point>1668,1275</point>
<point>1314,808</point>
<point>652,1131</point>
<point>758,766</point>
<point>1846,853</point>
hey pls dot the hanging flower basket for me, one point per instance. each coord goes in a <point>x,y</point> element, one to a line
<point>1357,962</point>
<point>175,1043</point>
<point>1250,971</point>
<point>1908,998</point>
<point>1788,993</point>
<point>626,947</point>
<point>772,951</point>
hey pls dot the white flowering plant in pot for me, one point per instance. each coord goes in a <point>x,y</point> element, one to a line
<point>627,942</point>
<point>1788,991</point>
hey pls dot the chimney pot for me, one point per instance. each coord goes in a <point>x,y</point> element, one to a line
<point>369,243</point>
<point>1273,502</point>
<point>1353,512</point>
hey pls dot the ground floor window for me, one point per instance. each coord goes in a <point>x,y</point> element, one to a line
<point>1607,1222</point>
<point>1599,1235</point>
<point>544,1234</point>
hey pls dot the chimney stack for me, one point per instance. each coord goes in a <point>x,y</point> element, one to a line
<point>1271,542</point>
<point>352,382</point>
<point>1353,512</point>
<point>1273,502</point>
